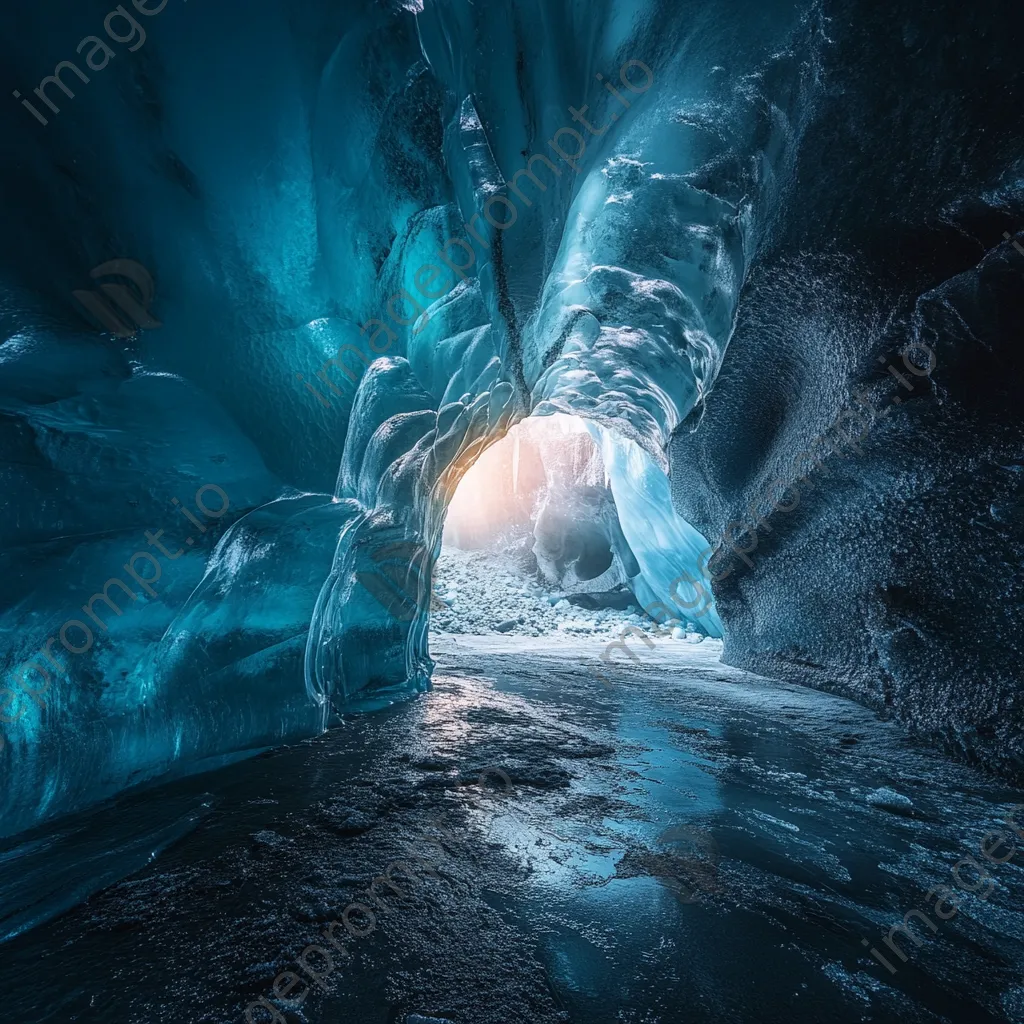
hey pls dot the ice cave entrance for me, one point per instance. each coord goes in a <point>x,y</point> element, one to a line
<point>533,542</point>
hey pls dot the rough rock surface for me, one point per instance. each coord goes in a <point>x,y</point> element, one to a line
<point>894,577</point>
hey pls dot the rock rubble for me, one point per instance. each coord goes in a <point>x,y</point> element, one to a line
<point>487,592</point>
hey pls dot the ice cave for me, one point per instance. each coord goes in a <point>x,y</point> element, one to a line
<point>534,542</point>
<point>512,512</point>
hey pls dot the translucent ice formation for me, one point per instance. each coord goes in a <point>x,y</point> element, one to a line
<point>380,234</point>
<point>672,554</point>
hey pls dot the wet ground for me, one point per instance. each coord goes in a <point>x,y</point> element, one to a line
<point>684,842</point>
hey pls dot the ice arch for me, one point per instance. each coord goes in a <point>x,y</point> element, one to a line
<point>415,225</point>
<point>568,479</point>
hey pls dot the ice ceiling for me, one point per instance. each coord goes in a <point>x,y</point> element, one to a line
<point>381,234</point>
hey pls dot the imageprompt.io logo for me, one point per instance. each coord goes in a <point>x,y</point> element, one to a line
<point>690,866</point>
<point>121,305</point>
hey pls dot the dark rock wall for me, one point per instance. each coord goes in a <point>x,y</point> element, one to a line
<point>887,565</point>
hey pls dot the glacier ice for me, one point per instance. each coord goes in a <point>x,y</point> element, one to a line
<point>672,555</point>
<point>391,245</point>
<point>382,234</point>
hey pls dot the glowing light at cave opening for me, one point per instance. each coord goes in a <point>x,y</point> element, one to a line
<point>502,490</point>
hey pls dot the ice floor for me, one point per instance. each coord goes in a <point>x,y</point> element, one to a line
<point>683,843</point>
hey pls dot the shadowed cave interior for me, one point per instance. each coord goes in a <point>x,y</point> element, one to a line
<point>512,511</point>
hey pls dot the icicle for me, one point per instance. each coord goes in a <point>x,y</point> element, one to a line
<point>515,463</point>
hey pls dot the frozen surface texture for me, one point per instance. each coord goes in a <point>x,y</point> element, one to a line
<point>382,233</point>
<point>689,844</point>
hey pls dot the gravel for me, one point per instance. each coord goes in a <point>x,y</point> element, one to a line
<point>889,800</point>
<point>483,592</point>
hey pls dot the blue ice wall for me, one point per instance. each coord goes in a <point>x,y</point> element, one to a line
<point>672,555</point>
<point>379,234</point>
